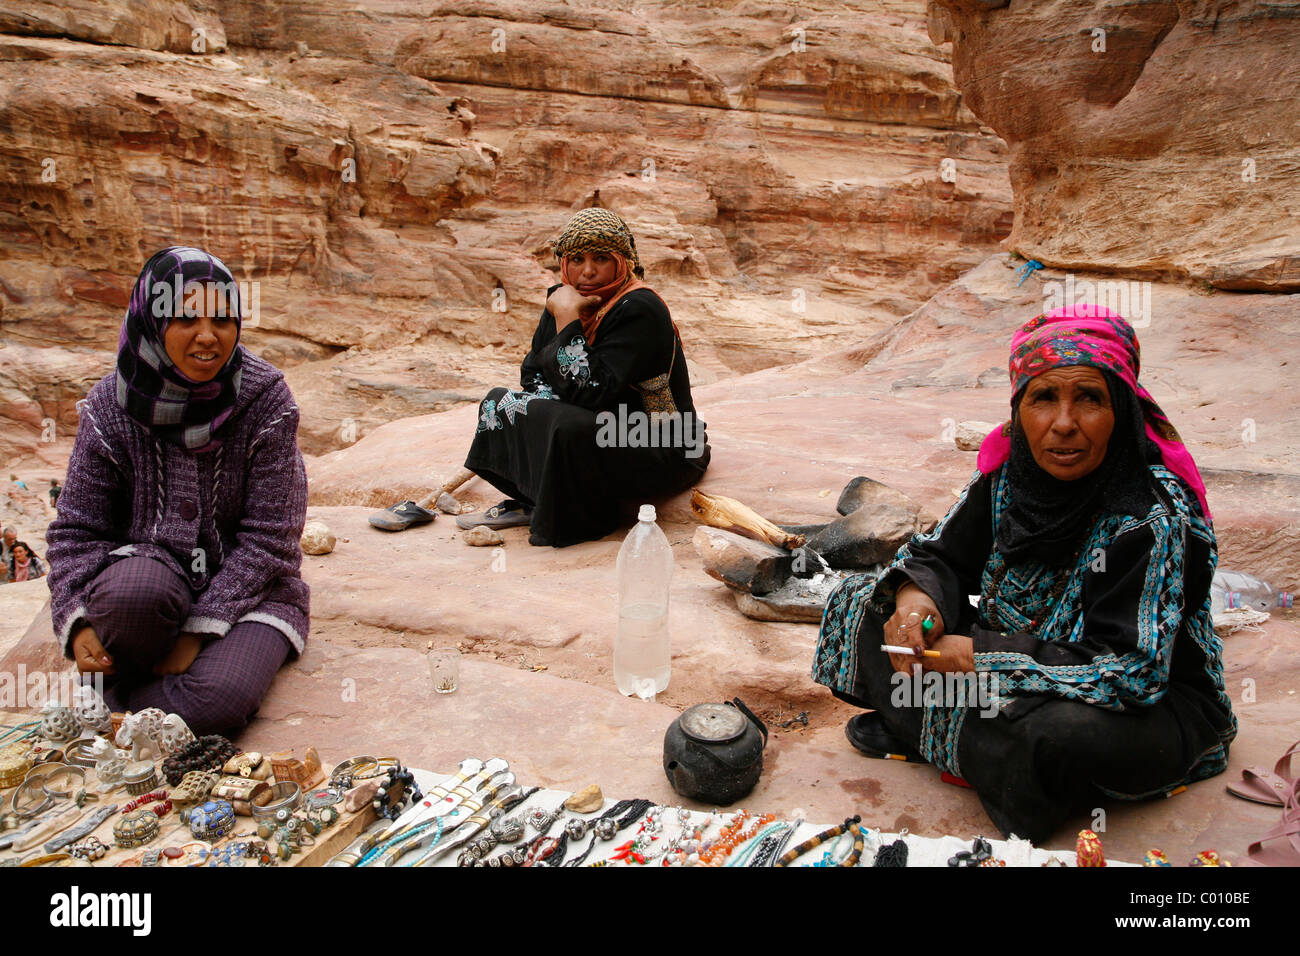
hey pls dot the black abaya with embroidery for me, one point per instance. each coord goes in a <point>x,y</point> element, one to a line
<point>548,446</point>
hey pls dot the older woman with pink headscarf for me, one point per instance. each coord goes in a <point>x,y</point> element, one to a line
<point>1089,669</point>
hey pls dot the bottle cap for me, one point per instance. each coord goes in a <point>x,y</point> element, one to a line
<point>647,513</point>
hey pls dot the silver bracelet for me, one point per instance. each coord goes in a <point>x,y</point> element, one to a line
<point>284,796</point>
<point>78,754</point>
<point>27,812</point>
<point>59,769</point>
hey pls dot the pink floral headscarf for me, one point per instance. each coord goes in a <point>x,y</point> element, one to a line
<point>1096,336</point>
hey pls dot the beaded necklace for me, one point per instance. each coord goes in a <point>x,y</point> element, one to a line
<point>632,850</point>
<point>772,847</point>
<point>403,836</point>
<point>749,850</point>
<point>732,836</point>
<point>815,841</point>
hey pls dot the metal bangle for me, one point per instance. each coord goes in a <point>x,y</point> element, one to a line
<point>27,812</point>
<point>284,794</point>
<point>347,767</point>
<point>78,753</point>
<point>58,770</point>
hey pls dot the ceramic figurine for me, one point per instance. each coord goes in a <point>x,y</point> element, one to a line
<point>140,733</point>
<point>174,735</point>
<point>58,722</point>
<point>90,710</point>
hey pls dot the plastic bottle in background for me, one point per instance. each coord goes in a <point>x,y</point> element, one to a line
<point>642,648</point>
<point>1232,589</point>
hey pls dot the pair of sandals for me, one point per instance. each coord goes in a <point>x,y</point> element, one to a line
<point>407,514</point>
<point>1275,788</point>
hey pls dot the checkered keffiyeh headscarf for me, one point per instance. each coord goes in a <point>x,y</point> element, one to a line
<point>150,388</point>
<point>599,230</point>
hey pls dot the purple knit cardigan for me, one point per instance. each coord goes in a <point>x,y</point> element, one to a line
<point>228,521</point>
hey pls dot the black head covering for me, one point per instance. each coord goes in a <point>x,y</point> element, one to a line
<point>1047,518</point>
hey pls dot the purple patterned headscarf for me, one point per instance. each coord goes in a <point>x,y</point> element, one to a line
<point>150,388</point>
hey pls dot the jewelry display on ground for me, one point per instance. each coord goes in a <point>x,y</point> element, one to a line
<point>479,816</point>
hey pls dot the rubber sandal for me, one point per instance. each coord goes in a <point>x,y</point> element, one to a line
<point>869,735</point>
<point>1268,787</point>
<point>1285,837</point>
<point>399,517</point>
<point>507,514</point>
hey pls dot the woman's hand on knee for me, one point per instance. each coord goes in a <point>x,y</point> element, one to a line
<point>912,607</point>
<point>89,654</point>
<point>181,656</point>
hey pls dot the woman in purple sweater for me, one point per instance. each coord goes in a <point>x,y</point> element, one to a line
<point>174,559</point>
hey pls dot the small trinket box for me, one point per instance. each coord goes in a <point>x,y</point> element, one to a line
<point>194,788</point>
<point>13,767</point>
<point>243,793</point>
<point>135,828</point>
<point>140,777</point>
<point>210,820</point>
<point>248,764</point>
<point>306,773</point>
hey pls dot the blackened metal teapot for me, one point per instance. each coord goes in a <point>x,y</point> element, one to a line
<point>714,752</point>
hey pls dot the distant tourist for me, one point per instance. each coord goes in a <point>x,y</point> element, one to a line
<point>55,488</point>
<point>24,564</point>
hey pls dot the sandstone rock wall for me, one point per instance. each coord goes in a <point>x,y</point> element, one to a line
<point>1157,137</point>
<point>389,175</point>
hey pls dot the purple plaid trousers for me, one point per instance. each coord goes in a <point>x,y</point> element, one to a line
<point>136,606</point>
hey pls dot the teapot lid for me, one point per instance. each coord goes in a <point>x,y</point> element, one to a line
<point>713,723</point>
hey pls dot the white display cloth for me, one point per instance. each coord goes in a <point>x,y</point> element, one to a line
<point>921,850</point>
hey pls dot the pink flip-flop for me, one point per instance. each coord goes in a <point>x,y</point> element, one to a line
<point>1285,837</point>
<point>1262,786</point>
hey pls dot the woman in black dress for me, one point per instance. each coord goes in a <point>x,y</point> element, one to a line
<point>604,419</point>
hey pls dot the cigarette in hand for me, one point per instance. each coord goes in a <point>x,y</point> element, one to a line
<point>899,649</point>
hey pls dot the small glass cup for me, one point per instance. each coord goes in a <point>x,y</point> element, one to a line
<point>444,670</point>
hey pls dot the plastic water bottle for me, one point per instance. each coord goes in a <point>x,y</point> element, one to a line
<point>1234,589</point>
<point>641,649</point>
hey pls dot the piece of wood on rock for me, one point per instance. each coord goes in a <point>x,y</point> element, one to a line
<point>718,511</point>
<point>741,563</point>
<point>876,521</point>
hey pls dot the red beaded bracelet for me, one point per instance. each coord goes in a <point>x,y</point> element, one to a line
<point>143,799</point>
